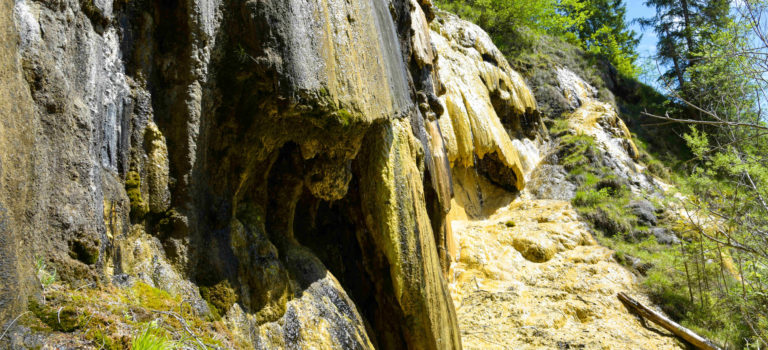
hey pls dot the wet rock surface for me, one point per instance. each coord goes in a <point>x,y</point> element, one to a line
<point>174,143</point>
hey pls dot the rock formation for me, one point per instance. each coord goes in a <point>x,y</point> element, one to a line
<point>292,166</point>
<point>294,154</point>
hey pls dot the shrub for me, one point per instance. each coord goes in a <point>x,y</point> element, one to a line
<point>612,184</point>
<point>590,198</point>
<point>610,219</point>
<point>655,167</point>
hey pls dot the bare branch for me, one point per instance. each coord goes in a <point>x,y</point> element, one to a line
<point>705,122</point>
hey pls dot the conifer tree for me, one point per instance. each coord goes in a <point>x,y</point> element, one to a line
<point>683,27</point>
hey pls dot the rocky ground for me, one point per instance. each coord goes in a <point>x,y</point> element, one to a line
<point>531,276</point>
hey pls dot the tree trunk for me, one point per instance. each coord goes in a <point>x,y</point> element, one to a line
<point>686,334</point>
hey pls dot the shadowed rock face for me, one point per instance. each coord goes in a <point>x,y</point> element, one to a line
<point>16,168</point>
<point>298,152</point>
<point>284,147</point>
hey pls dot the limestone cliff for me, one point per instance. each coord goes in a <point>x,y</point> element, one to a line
<point>282,173</point>
<point>293,156</point>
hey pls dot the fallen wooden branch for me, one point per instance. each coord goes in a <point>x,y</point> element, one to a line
<point>686,334</point>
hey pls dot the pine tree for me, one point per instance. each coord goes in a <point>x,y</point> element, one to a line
<point>683,27</point>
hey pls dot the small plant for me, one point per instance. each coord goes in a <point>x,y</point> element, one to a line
<point>657,168</point>
<point>152,338</point>
<point>559,125</point>
<point>590,198</point>
<point>44,275</point>
<point>578,151</point>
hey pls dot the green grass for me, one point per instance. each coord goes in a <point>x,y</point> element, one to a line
<point>559,125</point>
<point>152,337</point>
<point>579,151</point>
<point>590,198</point>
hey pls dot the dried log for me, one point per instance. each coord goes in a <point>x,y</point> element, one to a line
<point>686,334</point>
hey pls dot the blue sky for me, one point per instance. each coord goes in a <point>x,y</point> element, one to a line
<point>647,47</point>
<point>636,9</point>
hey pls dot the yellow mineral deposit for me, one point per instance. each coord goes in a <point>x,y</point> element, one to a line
<point>530,276</point>
<point>595,118</point>
<point>470,124</point>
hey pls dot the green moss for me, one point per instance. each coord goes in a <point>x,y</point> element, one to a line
<point>344,116</point>
<point>578,151</point>
<point>153,298</point>
<point>509,223</point>
<point>108,317</point>
<point>139,207</point>
<point>559,125</point>
<point>105,341</point>
<point>220,296</point>
<point>62,319</point>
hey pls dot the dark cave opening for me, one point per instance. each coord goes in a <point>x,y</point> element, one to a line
<point>335,231</point>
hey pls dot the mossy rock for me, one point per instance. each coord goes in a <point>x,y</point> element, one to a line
<point>577,151</point>
<point>220,296</point>
<point>656,168</point>
<point>344,116</point>
<point>139,207</point>
<point>153,298</point>
<point>610,219</point>
<point>62,319</point>
<point>85,252</point>
<point>108,342</point>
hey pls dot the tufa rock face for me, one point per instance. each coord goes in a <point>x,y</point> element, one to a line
<point>300,153</point>
<point>543,283</point>
<point>291,151</point>
<point>488,104</point>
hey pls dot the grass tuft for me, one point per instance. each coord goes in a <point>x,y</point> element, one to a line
<point>152,337</point>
